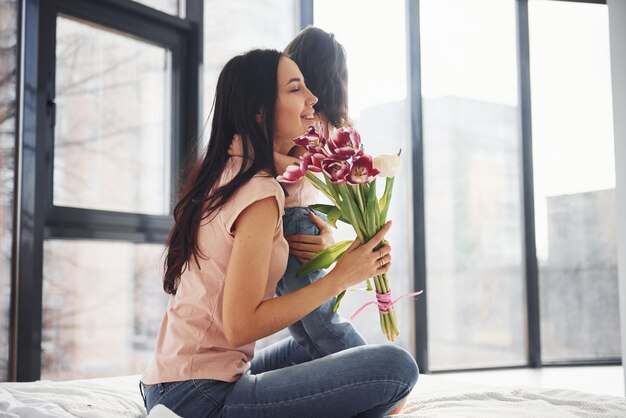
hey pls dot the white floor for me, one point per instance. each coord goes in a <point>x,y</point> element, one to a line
<point>601,380</point>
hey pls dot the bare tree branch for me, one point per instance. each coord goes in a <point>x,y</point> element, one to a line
<point>63,89</point>
<point>8,113</point>
<point>8,77</point>
<point>66,142</point>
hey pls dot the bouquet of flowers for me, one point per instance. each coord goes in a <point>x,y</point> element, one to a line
<point>349,182</point>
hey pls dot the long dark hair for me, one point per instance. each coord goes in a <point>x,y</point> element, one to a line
<point>322,61</point>
<point>246,89</point>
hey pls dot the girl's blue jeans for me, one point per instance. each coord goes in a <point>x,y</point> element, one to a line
<point>284,381</point>
<point>322,332</point>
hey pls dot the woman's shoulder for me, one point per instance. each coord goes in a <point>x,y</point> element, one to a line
<point>261,184</point>
<point>259,187</point>
<point>232,169</point>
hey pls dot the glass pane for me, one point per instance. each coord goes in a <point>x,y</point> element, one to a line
<point>102,306</point>
<point>8,65</point>
<point>379,107</point>
<point>574,183</point>
<point>112,132</point>
<point>260,24</point>
<point>475,273</point>
<point>173,7</point>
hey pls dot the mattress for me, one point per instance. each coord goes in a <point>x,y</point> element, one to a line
<point>433,396</point>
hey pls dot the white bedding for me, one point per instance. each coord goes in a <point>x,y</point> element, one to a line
<point>438,397</point>
<point>432,397</point>
<point>90,398</point>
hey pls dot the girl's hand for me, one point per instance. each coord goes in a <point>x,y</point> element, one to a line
<point>361,262</point>
<point>236,146</point>
<point>283,161</point>
<point>305,247</point>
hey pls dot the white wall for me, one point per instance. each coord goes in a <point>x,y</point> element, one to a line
<point>617,28</point>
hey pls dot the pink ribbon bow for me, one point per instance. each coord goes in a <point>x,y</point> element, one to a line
<point>384,302</point>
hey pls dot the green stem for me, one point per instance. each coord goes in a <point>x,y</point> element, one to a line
<point>377,284</point>
<point>373,203</point>
<point>319,185</point>
<point>384,283</point>
<point>387,326</point>
<point>338,301</point>
<point>333,191</point>
<point>362,193</point>
<point>354,216</point>
<point>356,192</point>
<point>388,192</point>
<point>382,324</point>
<point>394,322</point>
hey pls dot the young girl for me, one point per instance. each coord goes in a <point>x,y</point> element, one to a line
<point>226,253</point>
<point>322,61</point>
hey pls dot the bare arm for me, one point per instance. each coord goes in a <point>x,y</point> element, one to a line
<point>247,317</point>
<point>283,161</point>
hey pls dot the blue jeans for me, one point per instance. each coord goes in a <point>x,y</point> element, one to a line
<point>322,332</point>
<point>283,381</point>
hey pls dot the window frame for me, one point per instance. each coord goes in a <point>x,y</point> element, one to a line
<point>530,265</point>
<point>531,270</point>
<point>36,218</point>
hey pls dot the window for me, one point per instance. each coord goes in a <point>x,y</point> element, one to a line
<point>101,151</point>
<point>102,307</point>
<point>8,65</point>
<point>112,132</point>
<point>574,181</point>
<point>113,116</point>
<point>112,152</point>
<point>472,184</point>
<point>102,142</point>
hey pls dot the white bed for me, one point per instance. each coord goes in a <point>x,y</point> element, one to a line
<point>432,397</point>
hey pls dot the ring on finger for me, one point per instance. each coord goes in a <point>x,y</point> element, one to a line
<point>382,263</point>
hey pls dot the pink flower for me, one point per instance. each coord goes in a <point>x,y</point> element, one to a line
<point>311,140</point>
<point>292,174</point>
<point>344,143</point>
<point>336,170</point>
<point>312,162</point>
<point>362,170</point>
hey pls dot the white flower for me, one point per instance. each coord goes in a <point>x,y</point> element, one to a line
<point>388,164</point>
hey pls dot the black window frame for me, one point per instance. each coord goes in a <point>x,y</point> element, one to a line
<point>36,218</point>
<point>531,273</point>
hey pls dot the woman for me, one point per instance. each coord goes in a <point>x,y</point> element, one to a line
<point>226,252</point>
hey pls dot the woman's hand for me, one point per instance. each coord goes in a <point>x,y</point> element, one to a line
<point>305,247</point>
<point>236,147</point>
<point>360,262</point>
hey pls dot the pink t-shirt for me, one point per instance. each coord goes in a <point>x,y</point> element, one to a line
<point>300,194</point>
<point>191,343</point>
